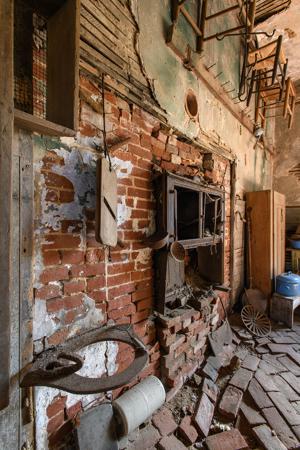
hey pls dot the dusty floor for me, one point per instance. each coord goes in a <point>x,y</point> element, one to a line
<point>258,394</point>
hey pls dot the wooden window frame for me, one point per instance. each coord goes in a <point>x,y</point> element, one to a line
<point>62,104</point>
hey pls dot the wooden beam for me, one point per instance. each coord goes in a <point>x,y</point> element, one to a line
<point>6,137</point>
<point>27,121</point>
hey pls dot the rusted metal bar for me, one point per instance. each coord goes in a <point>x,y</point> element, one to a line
<point>223,33</point>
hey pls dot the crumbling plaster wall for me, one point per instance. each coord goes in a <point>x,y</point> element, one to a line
<point>171,80</point>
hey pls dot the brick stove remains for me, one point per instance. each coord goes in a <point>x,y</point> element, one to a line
<point>191,216</point>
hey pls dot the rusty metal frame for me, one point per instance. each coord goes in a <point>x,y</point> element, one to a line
<point>170,182</point>
<point>247,18</point>
<point>52,368</point>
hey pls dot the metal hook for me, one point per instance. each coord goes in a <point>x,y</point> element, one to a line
<point>221,36</point>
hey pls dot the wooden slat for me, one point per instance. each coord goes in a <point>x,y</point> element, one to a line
<point>6,136</point>
<point>87,36</point>
<point>122,47</point>
<point>99,61</point>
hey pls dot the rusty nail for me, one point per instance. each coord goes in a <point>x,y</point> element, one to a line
<point>211,66</point>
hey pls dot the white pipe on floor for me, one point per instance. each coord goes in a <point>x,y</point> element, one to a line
<point>139,403</point>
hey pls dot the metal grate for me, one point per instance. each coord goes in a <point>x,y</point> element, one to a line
<point>30,78</point>
<point>39,62</point>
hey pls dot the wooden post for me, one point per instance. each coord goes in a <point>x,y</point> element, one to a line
<point>6,136</point>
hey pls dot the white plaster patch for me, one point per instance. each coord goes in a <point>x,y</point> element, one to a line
<point>43,397</point>
<point>123,211</point>
<point>144,256</point>
<point>122,168</point>
<point>43,323</point>
<point>80,169</point>
<point>91,319</point>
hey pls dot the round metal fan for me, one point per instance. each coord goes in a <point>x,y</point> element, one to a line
<point>255,321</point>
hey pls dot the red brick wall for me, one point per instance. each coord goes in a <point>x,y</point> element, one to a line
<point>73,267</point>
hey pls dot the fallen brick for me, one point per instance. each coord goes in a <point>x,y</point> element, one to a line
<point>210,372</point>
<point>210,389</point>
<point>241,379</point>
<point>164,422</point>
<point>230,402</point>
<point>171,443</point>
<point>228,440</point>
<point>203,415</point>
<point>187,431</point>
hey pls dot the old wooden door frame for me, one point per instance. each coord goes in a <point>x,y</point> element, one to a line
<point>6,138</point>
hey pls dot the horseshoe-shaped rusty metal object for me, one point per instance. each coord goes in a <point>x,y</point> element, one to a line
<point>52,368</point>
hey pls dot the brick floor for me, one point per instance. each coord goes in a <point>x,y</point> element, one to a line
<point>262,390</point>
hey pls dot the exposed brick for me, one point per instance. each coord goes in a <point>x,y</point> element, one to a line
<point>141,294</point>
<point>144,304</point>
<point>121,290</point>
<point>115,280</point>
<point>138,317</point>
<point>56,406</point>
<point>119,302</point>
<point>54,305</point>
<point>141,274</point>
<point>59,241</point>
<point>72,256</point>
<point>73,410</point>
<point>74,287</point>
<point>94,255</point>
<point>115,269</point>
<point>47,292</point>
<point>58,337</point>
<point>55,422</point>
<point>125,311</point>
<point>51,258</point>
<point>98,296</point>
<point>88,270</point>
<point>95,283</point>
<point>66,196</point>
<point>57,181</point>
<point>72,315</point>
<point>139,193</point>
<point>54,274</point>
<point>73,301</point>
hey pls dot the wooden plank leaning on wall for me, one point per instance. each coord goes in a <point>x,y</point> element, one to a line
<point>6,135</point>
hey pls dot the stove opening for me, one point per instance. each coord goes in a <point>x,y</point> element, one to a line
<point>188,214</point>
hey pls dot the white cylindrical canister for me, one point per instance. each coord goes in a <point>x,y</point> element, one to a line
<point>139,403</point>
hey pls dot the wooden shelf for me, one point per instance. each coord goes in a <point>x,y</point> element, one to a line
<point>41,126</point>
